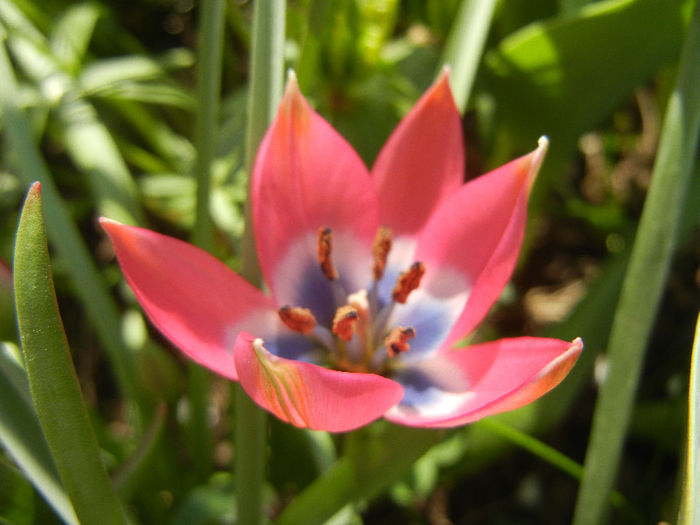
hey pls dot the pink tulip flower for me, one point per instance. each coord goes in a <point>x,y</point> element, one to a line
<point>372,279</point>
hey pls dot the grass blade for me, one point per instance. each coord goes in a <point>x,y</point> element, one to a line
<point>644,283</point>
<point>54,386</point>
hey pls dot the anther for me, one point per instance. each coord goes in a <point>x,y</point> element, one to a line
<point>408,281</point>
<point>344,322</point>
<point>298,319</point>
<point>380,251</point>
<point>397,340</point>
<point>323,247</point>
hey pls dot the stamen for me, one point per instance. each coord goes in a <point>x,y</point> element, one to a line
<point>344,322</point>
<point>408,281</point>
<point>397,340</point>
<point>324,247</point>
<point>298,319</point>
<point>380,251</point>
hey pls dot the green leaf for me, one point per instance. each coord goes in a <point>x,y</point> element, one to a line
<point>54,385</point>
<point>690,506</point>
<point>64,235</point>
<point>21,436</point>
<point>644,282</point>
<point>378,456</point>
<point>562,77</point>
<point>71,34</point>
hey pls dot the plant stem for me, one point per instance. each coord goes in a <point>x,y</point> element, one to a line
<point>264,91</point>
<point>209,58</point>
<point>465,45</point>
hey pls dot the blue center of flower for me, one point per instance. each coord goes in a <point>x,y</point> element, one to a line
<point>361,336</point>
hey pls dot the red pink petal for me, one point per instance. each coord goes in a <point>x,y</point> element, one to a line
<point>464,385</point>
<point>307,176</point>
<point>194,299</point>
<point>422,162</point>
<point>478,233</point>
<point>310,396</point>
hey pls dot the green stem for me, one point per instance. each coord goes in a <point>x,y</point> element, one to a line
<point>644,283</point>
<point>209,53</point>
<point>264,92</point>
<point>209,58</point>
<point>465,45</point>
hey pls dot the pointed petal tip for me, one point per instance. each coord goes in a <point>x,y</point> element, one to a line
<point>536,159</point>
<point>292,82</point>
<point>441,87</point>
<point>106,222</point>
<point>291,90</point>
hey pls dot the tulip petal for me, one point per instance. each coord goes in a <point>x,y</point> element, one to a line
<point>306,177</point>
<point>422,162</point>
<point>464,385</point>
<point>477,233</point>
<point>308,395</point>
<point>194,299</point>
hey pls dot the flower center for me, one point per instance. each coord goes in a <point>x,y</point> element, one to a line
<point>361,336</point>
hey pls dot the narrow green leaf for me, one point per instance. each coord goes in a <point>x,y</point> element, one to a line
<point>644,282</point>
<point>372,463</point>
<point>690,505</point>
<point>21,436</point>
<point>54,385</point>
<point>465,45</point>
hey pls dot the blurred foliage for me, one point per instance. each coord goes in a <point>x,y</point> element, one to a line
<point>107,92</point>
